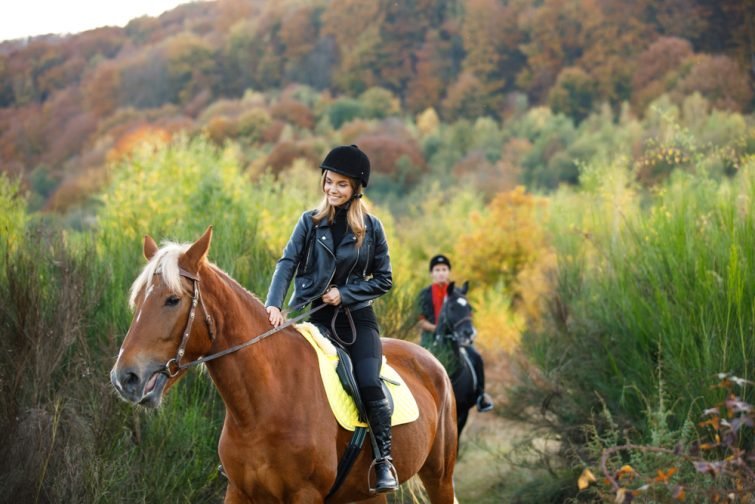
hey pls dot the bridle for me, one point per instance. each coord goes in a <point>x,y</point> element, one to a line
<point>449,329</point>
<point>174,365</point>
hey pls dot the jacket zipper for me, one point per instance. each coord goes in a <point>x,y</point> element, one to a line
<point>353,266</point>
<point>334,269</point>
<point>366,261</point>
<point>309,250</point>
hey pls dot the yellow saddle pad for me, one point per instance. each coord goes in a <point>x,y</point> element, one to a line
<point>405,407</point>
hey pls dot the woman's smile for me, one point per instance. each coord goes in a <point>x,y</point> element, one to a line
<point>338,188</point>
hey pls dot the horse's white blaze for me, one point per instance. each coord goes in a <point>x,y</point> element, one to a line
<point>117,359</point>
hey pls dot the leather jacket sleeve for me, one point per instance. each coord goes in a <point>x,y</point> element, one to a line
<point>289,261</point>
<point>380,276</point>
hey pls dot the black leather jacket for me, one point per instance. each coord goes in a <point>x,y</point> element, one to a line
<point>364,273</point>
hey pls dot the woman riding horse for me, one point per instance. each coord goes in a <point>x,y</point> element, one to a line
<point>280,440</point>
<point>340,257</point>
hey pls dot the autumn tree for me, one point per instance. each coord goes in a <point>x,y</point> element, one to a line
<point>435,67</point>
<point>719,79</point>
<point>554,39</point>
<point>465,98</point>
<point>574,94</point>
<point>191,66</point>
<point>491,40</point>
<point>355,27</point>
<point>402,33</point>
<point>504,240</point>
<point>299,36</point>
<point>657,67</point>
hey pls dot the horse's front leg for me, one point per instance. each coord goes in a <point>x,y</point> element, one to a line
<point>307,496</point>
<point>234,496</point>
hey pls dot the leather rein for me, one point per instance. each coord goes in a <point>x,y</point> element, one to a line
<point>174,365</point>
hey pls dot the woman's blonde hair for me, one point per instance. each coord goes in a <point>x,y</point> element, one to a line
<point>354,217</point>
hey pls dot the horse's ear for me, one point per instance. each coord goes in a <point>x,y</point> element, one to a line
<point>150,247</point>
<point>450,289</point>
<point>465,287</point>
<point>197,252</point>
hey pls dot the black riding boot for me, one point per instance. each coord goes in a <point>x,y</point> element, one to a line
<point>379,417</point>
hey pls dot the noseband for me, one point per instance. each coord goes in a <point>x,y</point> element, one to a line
<point>174,365</point>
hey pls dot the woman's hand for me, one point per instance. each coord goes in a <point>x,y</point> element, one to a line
<point>332,297</point>
<point>275,316</point>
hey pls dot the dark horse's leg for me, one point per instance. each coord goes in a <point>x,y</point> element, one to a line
<point>483,400</point>
<point>464,389</point>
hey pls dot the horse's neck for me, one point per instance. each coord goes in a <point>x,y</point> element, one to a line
<point>249,378</point>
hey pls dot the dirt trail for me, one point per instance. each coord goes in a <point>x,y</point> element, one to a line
<point>481,465</point>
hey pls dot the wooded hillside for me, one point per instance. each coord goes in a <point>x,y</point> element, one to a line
<point>70,104</point>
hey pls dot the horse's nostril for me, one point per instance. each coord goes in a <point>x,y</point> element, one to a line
<point>129,380</point>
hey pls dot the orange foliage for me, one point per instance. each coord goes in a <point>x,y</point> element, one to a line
<point>220,128</point>
<point>505,240</point>
<point>352,130</point>
<point>655,66</point>
<point>285,153</point>
<point>101,90</point>
<point>385,151</point>
<point>143,135</point>
<point>426,88</point>
<point>272,133</point>
<point>465,97</point>
<point>720,80</point>
<point>76,189</point>
<point>298,32</point>
<point>294,112</point>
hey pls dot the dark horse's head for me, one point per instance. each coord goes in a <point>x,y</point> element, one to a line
<point>165,299</point>
<point>455,318</point>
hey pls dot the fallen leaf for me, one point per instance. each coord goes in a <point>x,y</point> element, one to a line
<point>585,479</point>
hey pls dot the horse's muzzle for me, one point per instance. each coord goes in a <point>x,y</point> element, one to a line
<point>145,387</point>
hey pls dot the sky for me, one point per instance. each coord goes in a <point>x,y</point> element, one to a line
<point>23,18</point>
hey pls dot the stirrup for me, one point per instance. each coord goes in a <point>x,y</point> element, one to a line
<point>373,489</point>
<point>221,471</point>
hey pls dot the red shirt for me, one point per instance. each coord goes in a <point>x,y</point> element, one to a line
<point>438,292</point>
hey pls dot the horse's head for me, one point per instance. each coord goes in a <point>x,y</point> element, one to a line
<point>165,298</point>
<point>455,318</point>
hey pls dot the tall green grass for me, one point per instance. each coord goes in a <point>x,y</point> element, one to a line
<point>649,287</point>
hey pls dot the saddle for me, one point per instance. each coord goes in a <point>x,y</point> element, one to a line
<point>337,376</point>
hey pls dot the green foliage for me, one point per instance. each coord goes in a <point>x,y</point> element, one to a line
<point>344,110</point>
<point>573,94</point>
<point>648,283</point>
<point>12,212</point>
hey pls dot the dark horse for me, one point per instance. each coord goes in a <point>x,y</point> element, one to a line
<point>280,441</point>
<point>455,331</point>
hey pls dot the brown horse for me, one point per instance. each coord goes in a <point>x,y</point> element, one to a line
<point>280,442</point>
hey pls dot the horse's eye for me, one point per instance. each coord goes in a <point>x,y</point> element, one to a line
<point>172,301</point>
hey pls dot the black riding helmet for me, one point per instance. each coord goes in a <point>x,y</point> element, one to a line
<point>350,161</point>
<point>439,259</point>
